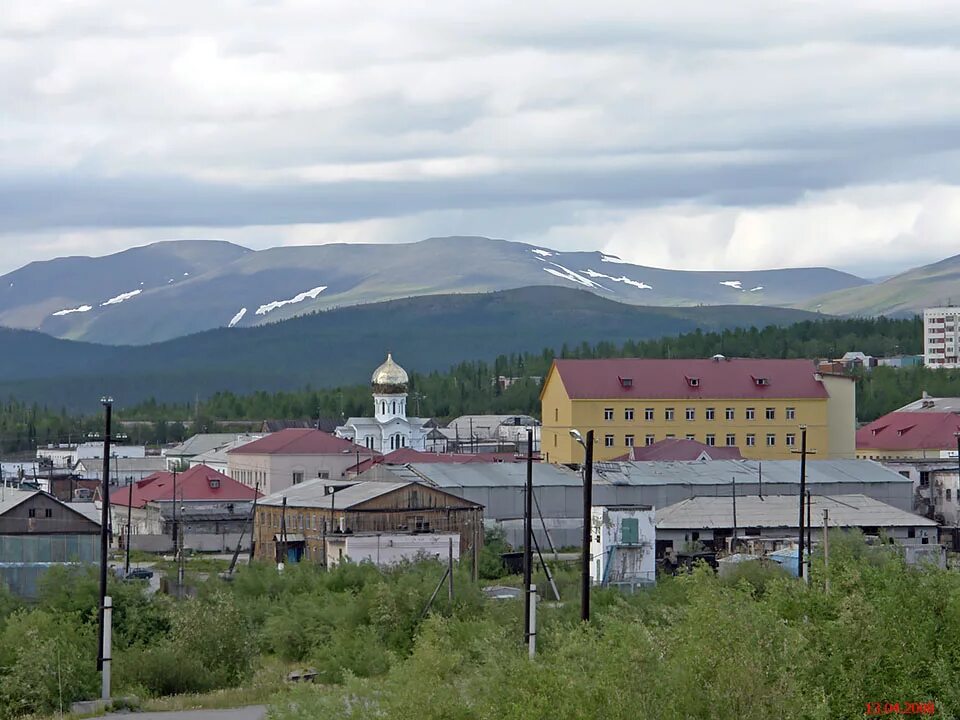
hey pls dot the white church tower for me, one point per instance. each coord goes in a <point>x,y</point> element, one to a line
<point>389,383</point>
<point>389,429</point>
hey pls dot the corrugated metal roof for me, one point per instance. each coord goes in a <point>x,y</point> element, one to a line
<point>781,511</point>
<point>910,431</point>
<point>313,494</point>
<point>487,474</point>
<point>10,498</point>
<point>201,442</point>
<point>298,441</point>
<point>718,472</point>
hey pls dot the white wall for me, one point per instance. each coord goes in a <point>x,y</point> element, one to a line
<point>391,548</point>
<point>611,558</point>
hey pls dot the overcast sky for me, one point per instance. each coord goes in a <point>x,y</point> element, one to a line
<point>687,135</point>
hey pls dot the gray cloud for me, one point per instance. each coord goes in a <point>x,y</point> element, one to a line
<point>389,120</point>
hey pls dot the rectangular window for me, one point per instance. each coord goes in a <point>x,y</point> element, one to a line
<point>711,413</point>
<point>948,495</point>
<point>628,440</point>
<point>297,478</point>
<point>608,413</point>
<point>608,440</point>
<point>751,440</point>
<point>691,436</point>
<point>32,512</point>
<point>48,512</point>
<point>556,418</point>
<point>711,440</point>
<point>731,440</point>
<point>751,413</point>
<point>791,440</point>
<point>924,478</point>
<point>771,439</point>
<point>648,414</point>
<point>669,436</point>
<point>628,414</point>
<point>730,414</point>
<point>648,440</point>
<point>791,413</point>
<point>691,414</point>
<point>668,414</point>
<point>771,414</point>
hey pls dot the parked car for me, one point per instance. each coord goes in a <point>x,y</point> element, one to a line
<point>140,574</point>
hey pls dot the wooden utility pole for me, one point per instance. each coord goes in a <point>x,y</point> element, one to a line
<point>587,530</point>
<point>107,403</point>
<point>803,491</point>
<point>450,572</point>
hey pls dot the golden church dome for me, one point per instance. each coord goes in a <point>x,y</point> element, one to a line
<point>389,375</point>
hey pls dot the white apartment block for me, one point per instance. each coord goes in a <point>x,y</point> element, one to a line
<point>941,337</point>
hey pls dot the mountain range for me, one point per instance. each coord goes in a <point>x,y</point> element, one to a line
<point>171,289</point>
<point>342,346</point>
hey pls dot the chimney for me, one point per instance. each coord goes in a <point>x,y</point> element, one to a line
<point>925,395</point>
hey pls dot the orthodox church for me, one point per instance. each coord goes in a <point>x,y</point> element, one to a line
<point>389,428</point>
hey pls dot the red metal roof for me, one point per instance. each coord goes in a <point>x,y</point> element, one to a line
<point>910,431</point>
<point>199,483</point>
<point>681,449</point>
<point>689,379</point>
<point>298,441</point>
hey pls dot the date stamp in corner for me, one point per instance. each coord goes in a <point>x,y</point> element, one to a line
<point>878,709</point>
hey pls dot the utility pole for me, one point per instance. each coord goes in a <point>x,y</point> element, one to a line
<point>176,528</point>
<point>809,540</point>
<point>826,550</point>
<point>803,491</point>
<point>733,540</point>
<point>126,570</point>
<point>107,403</point>
<point>587,530</point>
<point>527,542</point>
<point>253,527</point>
<point>450,572</point>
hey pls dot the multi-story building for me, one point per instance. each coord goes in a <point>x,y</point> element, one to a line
<point>941,337</point>
<point>756,405</point>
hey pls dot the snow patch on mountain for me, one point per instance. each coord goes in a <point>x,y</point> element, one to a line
<point>82,308</point>
<point>568,274</point>
<point>238,317</point>
<point>613,259</point>
<point>542,253</point>
<point>311,294</point>
<point>735,284</point>
<point>121,297</point>
<point>757,288</point>
<point>622,279</point>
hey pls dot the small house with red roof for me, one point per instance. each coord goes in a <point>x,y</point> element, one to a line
<point>292,456</point>
<point>151,504</point>
<point>756,405</point>
<point>677,450</point>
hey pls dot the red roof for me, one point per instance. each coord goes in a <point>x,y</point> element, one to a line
<point>910,431</point>
<point>681,449</point>
<point>298,441</point>
<point>199,483</point>
<point>688,379</point>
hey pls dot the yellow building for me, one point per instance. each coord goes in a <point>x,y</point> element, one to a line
<point>756,405</point>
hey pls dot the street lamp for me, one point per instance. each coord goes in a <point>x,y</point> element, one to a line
<point>587,520</point>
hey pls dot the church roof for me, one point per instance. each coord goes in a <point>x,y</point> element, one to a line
<point>389,373</point>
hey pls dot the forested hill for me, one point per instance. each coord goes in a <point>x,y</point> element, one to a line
<point>470,387</point>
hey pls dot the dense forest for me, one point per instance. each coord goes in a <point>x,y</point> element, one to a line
<point>473,387</point>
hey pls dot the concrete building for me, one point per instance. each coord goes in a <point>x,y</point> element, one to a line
<point>37,532</point>
<point>122,470</point>
<point>622,546</point>
<point>386,549</point>
<point>389,428</point>
<point>709,521</point>
<point>67,456</point>
<point>298,522</point>
<point>180,456</point>
<point>756,405</point>
<point>941,337</point>
<point>926,428</point>
<point>291,457</point>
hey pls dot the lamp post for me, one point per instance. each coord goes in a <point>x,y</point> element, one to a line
<point>587,521</point>
<point>107,403</point>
